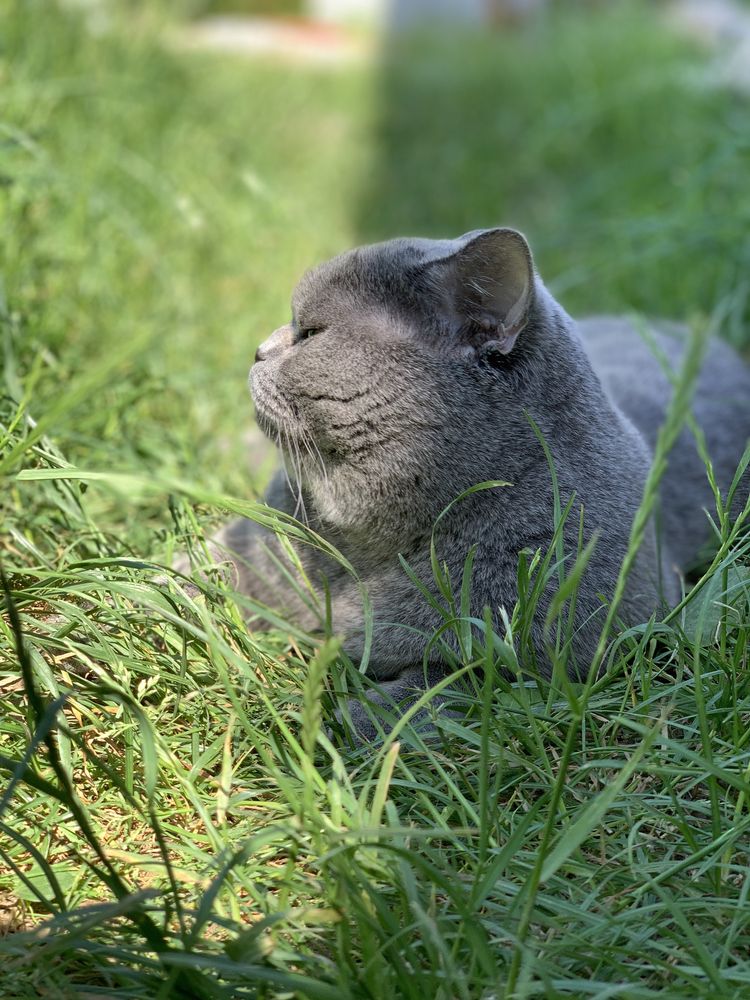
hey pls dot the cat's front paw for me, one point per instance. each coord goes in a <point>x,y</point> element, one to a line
<point>373,717</point>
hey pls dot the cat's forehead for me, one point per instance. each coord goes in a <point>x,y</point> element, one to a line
<point>391,273</point>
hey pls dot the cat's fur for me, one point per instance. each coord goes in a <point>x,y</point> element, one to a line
<point>406,376</point>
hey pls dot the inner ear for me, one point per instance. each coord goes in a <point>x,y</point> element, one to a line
<point>487,286</point>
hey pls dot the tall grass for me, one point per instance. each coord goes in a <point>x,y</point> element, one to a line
<point>183,811</point>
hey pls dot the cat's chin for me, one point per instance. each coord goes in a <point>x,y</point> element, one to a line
<point>278,422</point>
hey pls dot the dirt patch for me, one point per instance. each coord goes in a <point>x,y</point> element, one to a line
<point>13,915</point>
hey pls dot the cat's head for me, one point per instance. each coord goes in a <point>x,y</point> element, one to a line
<point>395,365</point>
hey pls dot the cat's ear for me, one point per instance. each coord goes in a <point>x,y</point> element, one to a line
<point>487,285</point>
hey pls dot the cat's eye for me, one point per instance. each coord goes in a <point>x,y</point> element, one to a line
<point>308,331</point>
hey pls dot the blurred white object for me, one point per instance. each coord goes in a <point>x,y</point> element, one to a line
<point>724,25</point>
<point>343,11</point>
<point>295,41</point>
<point>735,70</point>
<point>715,22</point>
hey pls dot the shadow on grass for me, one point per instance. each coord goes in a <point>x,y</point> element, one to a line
<point>594,132</point>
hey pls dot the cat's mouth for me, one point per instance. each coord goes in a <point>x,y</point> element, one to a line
<point>275,415</point>
<point>301,458</point>
<point>280,421</point>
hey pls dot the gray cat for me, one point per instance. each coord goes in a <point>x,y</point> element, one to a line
<point>408,374</point>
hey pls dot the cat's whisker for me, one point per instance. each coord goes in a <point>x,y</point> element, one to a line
<point>294,458</point>
<point>300,494</point>
<point>314,452</point>
<point>282,454</point>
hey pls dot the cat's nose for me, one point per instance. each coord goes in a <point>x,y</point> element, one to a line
<point>277,343</point>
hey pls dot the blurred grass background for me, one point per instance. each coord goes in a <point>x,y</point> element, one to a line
<point>594,131</point>
<point>158,205</point>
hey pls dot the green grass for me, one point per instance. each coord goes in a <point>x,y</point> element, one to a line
<point>179,802</point>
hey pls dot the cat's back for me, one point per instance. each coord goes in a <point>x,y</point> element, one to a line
<point>630,364</point>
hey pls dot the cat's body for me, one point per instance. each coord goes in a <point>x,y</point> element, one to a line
<point>627,367</point>
<point>408,375</point>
